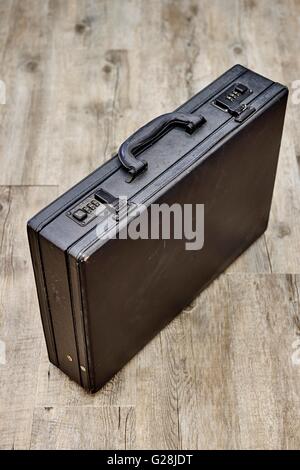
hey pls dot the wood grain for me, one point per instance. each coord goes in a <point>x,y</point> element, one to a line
<point>20,326</point>
<point>83,428</point>
<point>81,75</point>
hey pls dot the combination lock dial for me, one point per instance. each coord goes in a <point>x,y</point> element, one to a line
<point>85,211</point>
<point>230,100</point>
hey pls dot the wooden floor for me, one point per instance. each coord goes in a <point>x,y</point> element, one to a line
<point>81,76</point>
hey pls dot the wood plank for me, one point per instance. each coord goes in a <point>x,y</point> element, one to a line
<point>71,90</point>
<point>83,428</point>
<point>157,396</point>
<point>20,326</point>
<point>267,386</point>
<point>22,70</point>
<point>207,380</point>
<point>15,429</point>
<point>246,386</point>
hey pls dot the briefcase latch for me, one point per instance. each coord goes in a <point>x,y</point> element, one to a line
<point>243,113</point>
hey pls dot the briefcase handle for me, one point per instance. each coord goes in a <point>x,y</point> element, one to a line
<point>150,133</point>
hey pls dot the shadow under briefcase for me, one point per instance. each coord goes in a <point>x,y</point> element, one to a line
<point>103,298</point>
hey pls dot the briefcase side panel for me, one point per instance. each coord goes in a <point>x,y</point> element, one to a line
<point>82,335</point>
<point>57,285</point>
<point>133,288</point>
<point>33,239</point>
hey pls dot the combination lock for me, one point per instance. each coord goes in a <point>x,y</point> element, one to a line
<point>230,101</point>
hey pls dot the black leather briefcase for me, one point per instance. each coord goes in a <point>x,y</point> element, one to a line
<point>102,299</point>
